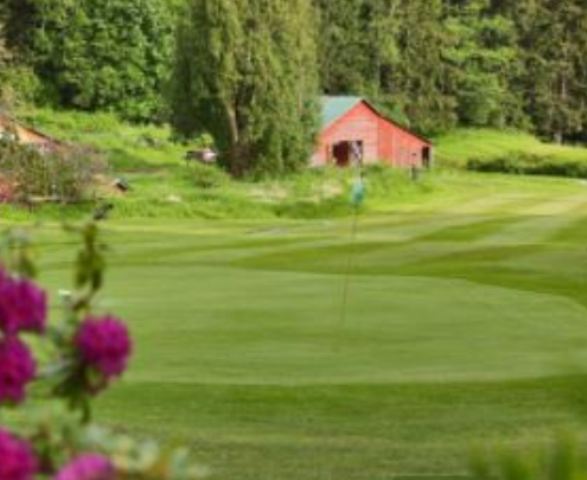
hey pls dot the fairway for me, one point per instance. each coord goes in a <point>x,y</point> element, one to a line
<point>466,325</point>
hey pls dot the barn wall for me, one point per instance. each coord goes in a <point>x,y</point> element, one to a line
<point>398,147</point>
<point>360,123</point>
<point>383,140</point>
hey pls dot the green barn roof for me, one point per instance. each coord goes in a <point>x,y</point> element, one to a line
<point>335,107</point>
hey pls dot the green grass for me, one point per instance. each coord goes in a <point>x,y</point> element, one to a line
<point>466,325</point>
<point>456,148</point>
<point>466,322</point>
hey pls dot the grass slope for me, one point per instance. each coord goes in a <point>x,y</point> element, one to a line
<point>466,325</point>
<point>164,187</point>
<point>456,148</point>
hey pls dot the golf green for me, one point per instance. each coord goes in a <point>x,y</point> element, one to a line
<point>464,324</point>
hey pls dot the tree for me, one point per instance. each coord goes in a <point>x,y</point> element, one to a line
<point>357,45</point>
<point>18,84</point>
<point>557,68</point>
<point>94,54</point>
<point>553,41</point>
<point>245,72</point>
<point>4,53</point>
<point>419,82</point>
<point>390,51</point>
<point>484,59</point>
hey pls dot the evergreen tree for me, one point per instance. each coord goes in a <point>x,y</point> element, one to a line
<point>357,46</point>
<point>90,54</point>
<point>484,60</point>
<point>553,84</point>
<point>420,80</point>
<point>557,68</point>
<point>245,72</point>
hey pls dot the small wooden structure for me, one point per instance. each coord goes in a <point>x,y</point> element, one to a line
<point>207,156</point>
<point>16,131</point>
<point>352,128</point>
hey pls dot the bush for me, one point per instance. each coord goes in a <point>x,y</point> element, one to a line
<point>530,164</point>
<point>65,176</point>
<point>18,86</point>
<point>207,176</point>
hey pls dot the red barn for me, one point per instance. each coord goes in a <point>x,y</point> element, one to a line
<point>352,125</point>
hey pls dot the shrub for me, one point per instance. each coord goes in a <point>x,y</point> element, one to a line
<point>530,164</point>
<point>207,176</point>
<point>65,176</point>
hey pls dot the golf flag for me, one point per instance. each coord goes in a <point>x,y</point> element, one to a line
<point>358,193</point>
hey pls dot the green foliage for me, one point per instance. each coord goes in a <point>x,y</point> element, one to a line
<point>18,86</point>
<point>390,51</point>
<point>92,55</point>
<point>64,176</point>
<point>206,176</point>
<point>126,147</point>
<point>483,58</point>
<point>456,148</point>
<point>18,83</point>
<point>552,41</point>
<point>431,64</point>
<point>530,164</point>
<point>244,73</point>
<point>419,80</point>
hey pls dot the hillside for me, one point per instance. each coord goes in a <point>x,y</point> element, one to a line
<point>163,186</point>
<point>459,146</point>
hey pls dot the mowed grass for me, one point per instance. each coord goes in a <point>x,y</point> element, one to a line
<point>465,325</point>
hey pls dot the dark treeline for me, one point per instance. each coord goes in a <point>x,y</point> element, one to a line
<point>435,64</point>
<point>240,68</point>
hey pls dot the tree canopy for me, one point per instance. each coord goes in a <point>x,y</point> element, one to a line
<point>245,71</point>
<point>250,71</point>
<point>95,55</point>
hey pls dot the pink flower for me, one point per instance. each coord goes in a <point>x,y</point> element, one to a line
<point>104,344</point>
<point>17,369</point>
<point>88,467</point>
<point>17,461</point>
<point>23,306</point>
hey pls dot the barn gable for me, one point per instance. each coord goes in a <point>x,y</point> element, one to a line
<point>353,124</point>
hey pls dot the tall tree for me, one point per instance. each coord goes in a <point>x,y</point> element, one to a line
<point>17,83</point>
<point>553,84</point>
<point>96,54</point>
<point>419,80</point>
<point>557,68</point>
<point>4,54</point>
<point>245,72</point>
<point>484,59</point>
<point>357,45</point>
<point>391,51</point>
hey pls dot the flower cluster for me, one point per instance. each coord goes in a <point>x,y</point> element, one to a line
<point>17,460</point>
<point>88,467</point>
<point>17,370</point>
<point>104,345</point>
<point>96,345</point>
<point>23,308</point>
